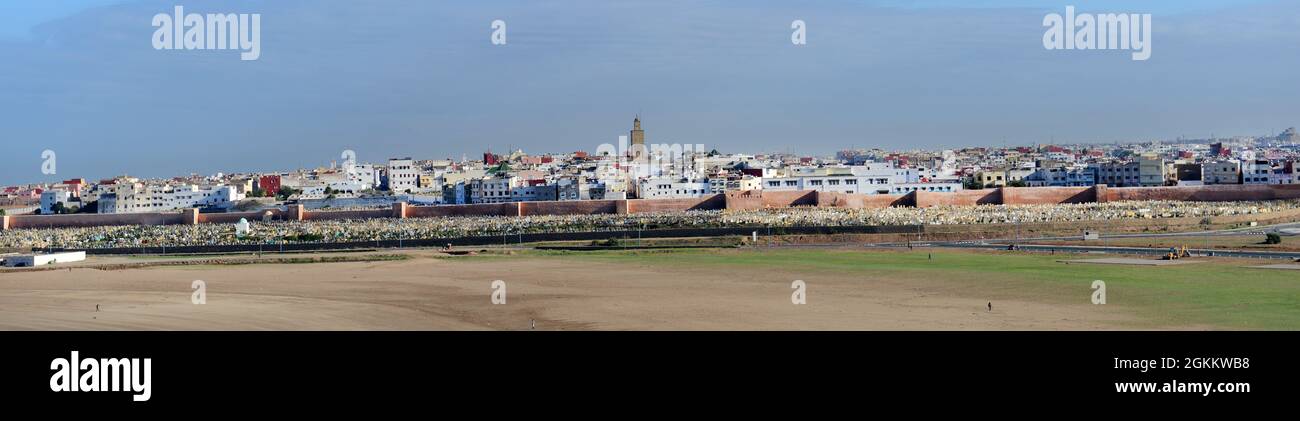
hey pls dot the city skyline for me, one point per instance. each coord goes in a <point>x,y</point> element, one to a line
<point>423,80</point>
<point>336,163</point>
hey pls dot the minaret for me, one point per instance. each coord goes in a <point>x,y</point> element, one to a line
<point>638,135</point>
<point>638,139</point>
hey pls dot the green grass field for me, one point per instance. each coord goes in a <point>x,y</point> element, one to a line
<point>1218,294</point>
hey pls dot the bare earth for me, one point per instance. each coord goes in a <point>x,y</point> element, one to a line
<point>427,293</point>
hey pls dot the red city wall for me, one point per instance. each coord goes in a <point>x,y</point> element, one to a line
<point>716,201</point>
<point>481,209</point>
<point>95,220</point>
<point>744,200</point>
<point>785,199</point>
<point>571,207</point>
<point>862,201</point>
<point>348,214</point>
<point>1047,195</point>
<point>758,199</point>
<point>233,217</point>
<point>732,200</point>
<point>1216,193</point>
<point>925,199</point>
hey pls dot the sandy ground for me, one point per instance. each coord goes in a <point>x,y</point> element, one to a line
<point>426,293</point>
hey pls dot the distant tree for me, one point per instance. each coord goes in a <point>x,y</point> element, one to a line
<point>58,208</point>
<point>1016,183</point>
<point>286,192</point>
<point>971,184</point>
<point>247,205</point>
<point>2,212</point>
<point>92,207</point>
<point>1272,238</point>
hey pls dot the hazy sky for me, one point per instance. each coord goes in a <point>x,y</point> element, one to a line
<point>421,78</point>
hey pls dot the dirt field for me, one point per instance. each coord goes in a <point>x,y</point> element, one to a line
<point>558,293</point>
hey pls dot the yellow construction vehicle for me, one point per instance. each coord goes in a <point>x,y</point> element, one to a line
<point>1176,253</point>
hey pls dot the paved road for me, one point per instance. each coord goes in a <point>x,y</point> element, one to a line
<point>1148,251</point>
<point>1025,243</point>
<point>1288,229</point>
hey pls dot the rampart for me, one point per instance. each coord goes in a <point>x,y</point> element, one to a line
<point>736,201</point>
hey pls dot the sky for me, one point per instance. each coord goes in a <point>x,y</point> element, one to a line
<point>396,78</point>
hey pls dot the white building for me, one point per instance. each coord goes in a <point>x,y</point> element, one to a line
<point>871,178</point>
<point>533,193</point>
<point>1226,172</point>
<point>1285,174</point>
<point>574,188</point>
<point>403,176</point>
<point>1256,171</point>
<point>107,203</point>
<point>490,189</point>
<point>745,183</point>
<point>365,175</point>
<point>671,188</point>
<point>139,198</point>
<point>504,189</point>
<point>49,198</point>
<point>1118,174</point>
<point>1062,176</point>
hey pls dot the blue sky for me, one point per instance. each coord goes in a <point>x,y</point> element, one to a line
<point>420,78</point>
